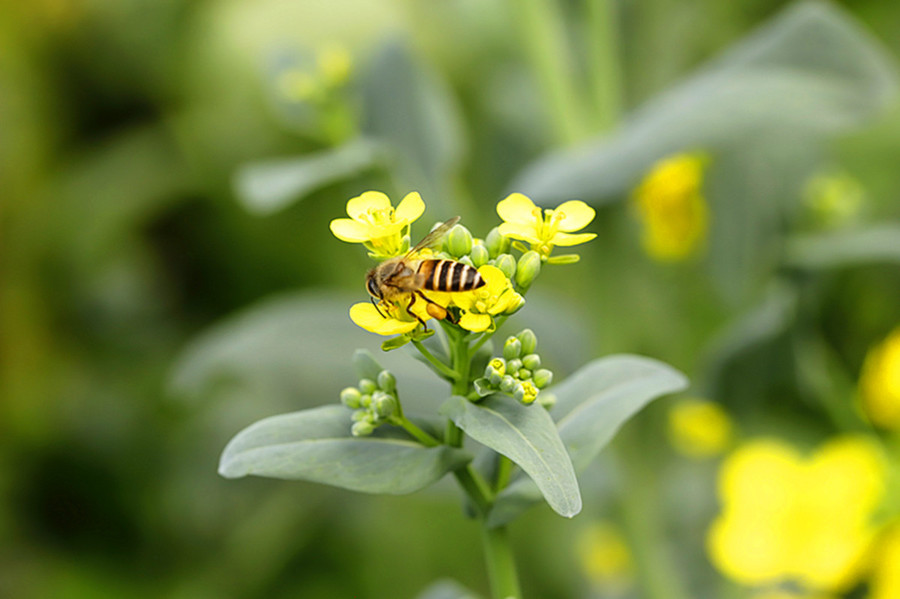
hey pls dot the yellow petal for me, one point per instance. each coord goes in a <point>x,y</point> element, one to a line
<point>576,215</point>
<point>568,239</point>
<point>517,208</point>
<point>494,279</point>
<point>350,230</point>
<point>410,208</point>
<point>368,201</point>
<point>464,299</point>
<point>366,316</point>
<point>525,232</point>
<point>475,322</point>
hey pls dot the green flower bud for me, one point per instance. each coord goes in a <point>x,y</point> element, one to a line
<point>508,384</point>
<point>531,361</point>
<point>360,415</point>
<point>385,405</point>
<point>547,400</point>
<point>350,397</point>
<point>516,302</point>
<point>519,393</point>
<point>529,392</point>
<point>507,265</point>
<point>367,386</point>
<point>496,243</point>
<point>467,261</point>
<point>542,378</point>
<point>362,429</point>
<point>513,366</point>
<point>495,378</point>
<point>459,241</point>
<point>523,374</point>
<point>528,269</point>
<point>479,255</point>
<point>512,349</point>
<point>529,341</point>
<point>386,381</point>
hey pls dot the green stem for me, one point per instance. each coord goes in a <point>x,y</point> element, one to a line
<point>432,359</point>
<point>501,563</point>
<point>475,487</point>
<point>542,30</point>
<point>410,427</point>
<point>605,73</point>
<point>504,472</point>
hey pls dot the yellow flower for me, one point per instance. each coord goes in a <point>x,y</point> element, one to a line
<point>786,517</point>
<point>672,209</point>
<point>699,428</point>
<point>879,384</point>
<point>376,224</point>
<point>334,64</point>
<point>544,229</point>
<point>885,581</point>
<point>480,305</point>
<point>392,320</point>
<point>604,556</point>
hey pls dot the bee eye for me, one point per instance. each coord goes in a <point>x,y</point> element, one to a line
<point>373,288</point>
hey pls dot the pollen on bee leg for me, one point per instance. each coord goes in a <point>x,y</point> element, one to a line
<point>436,311</point>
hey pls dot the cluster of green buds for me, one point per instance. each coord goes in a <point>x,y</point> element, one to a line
<point>460,245</point>
<point>374,402</point>
<point>518,373</point>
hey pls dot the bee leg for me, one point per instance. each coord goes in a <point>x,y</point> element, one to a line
<point>435,309</point>
<point>412,300</point>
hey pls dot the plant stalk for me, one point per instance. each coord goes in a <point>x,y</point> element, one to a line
<point>501,565</point>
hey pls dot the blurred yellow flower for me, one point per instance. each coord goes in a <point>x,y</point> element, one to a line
<point>834,199</point>
<point>375,223</point>
<point>334,63</point>
<point>783,594</point>
<point>885,581</point>
<point>544,229</point>
<point>879,384</point>
<point>787,517</point>
<point>327,70</point>
<point>672,209</point>
<point>604,556</point>
<point>479,306</point>
<point>699,428</point>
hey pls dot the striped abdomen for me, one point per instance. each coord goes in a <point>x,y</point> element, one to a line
<point>449,275</point>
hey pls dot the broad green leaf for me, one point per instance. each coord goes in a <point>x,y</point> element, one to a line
<point>591,406</point>
<point>812,71</point>
<point>269,186</point>
<point>527,436</point>
<point>367,367</point>
<point>447,589</point>
<point>315,445</point>
<point>844,248</point>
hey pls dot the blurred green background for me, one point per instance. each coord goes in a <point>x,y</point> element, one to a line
<point>168,170</point>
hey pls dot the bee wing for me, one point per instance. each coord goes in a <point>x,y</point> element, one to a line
<point>435,236</point>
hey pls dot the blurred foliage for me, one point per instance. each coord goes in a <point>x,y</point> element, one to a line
<point>167,274</point>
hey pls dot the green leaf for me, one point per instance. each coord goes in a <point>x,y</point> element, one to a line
<point>844,248</point>
<point>272,185</point>
<point>527,436</point>
<point>315,445</point>
<point>591,406</point>
<point>811,71</point>
<point>367,367</point>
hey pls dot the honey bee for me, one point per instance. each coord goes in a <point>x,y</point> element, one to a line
<point>407,276</point>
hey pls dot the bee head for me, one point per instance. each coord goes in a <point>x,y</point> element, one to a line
<point>372,285</point>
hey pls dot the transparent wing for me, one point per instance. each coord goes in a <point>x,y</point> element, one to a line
<point>432,238</point>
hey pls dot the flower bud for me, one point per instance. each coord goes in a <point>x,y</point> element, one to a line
<point>529,341</point>
<point>542,378</point>
<point>496,243</point>
<point>528,269</point>
<point>483,387</point>
<point>386,381</point>
<point>479,255</point>
<point>523,374</point>
<point>531,361</point>
<point>360,415</point>
<point>515,302</point>
<point>459,241</point>
<point>529,392</point>
<point>512,349</point>
<point>350,397</point>
<point>547,400</point>
<point>367,386</point>
<point>362,429</point>
<point>498,364</point>
<point>365,400</point>
<point>385,405</point>
<point>508,384</point>
<point>467,261</point>
<point>507,265</point>
<point>513,366</point>
<point>519,393</point>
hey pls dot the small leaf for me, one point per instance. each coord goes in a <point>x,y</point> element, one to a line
<point>591,406</point>
<point>267,187</point>
<point>315,445</point>
<point>845,248</point>
<point>527,436</point>
<point>395,342</point>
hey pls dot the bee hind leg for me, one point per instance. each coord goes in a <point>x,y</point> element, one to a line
<point>435,309</point>
<point>412,300</point>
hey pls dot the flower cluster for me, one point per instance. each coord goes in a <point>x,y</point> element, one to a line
<point>373,402</point>
<point>786,517</point>
<point>672,209</point>
<point>518,373</point>
<point>384,231</point>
